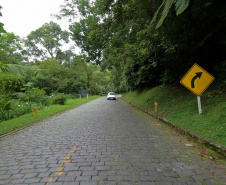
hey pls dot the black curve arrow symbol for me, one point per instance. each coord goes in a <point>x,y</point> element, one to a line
<point>198,75</point>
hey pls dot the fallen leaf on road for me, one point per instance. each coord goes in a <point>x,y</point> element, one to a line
<point>202,154</point>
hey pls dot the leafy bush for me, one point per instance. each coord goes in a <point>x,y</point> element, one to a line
<point>10,83</point>
<point>21,108</point>
<point>33,94</point>
<point>59,99</point>
<point>5,106</point>
<point>72,96</point>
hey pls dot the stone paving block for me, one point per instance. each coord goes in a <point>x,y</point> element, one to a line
<point>25,167</point>
<point>97,163</point>
<point>107,173</point>
<point>16,181</point>
<point>56,183</point>
<point>11,172</point>
<point>100,177</point>
<point>102,168</point>
<point>83,178</point>
<point>44,174</point>
<point>149,178</point>
<point>74,173</point>
<point>2,172</point>
<point>107,183</point>
<point>3,177</point>
<point>169,174</point>
<point>126,183</point>
<point>85,168</point>
<point>17,176</point>
<point>72,168</point>
<point>88,183</point>
<point>185,179</point>
<point>42,170</point>
<point>66,179</point>
<point>164,183</point>
<point>146,183</point>
<point>71,183</point>
<point>46,179</point>
<point>84,164</point>
<point>32,180</point>
<point>28,171</point>
<point>212,182</point>
<point>192,183</point>
<point>200,177</point>
<point>92,160</point>
<point>90,173</point>
<point>30,175</point>
<point>179,183</point>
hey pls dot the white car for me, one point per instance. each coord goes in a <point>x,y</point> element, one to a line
<point>111,95</point>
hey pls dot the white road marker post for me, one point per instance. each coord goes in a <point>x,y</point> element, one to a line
<point>199,105</point>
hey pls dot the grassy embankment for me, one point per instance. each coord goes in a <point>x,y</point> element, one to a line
<point>28,119</point>
<point>179,106</point>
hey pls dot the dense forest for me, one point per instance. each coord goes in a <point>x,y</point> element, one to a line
<point>150,42</point>
<point>125,44</point>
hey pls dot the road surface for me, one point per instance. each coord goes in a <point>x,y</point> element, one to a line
<point>104,143</point>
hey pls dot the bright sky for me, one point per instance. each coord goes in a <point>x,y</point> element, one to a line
<point>23,16</point>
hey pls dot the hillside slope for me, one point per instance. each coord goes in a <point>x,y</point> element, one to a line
<point>178,105</point>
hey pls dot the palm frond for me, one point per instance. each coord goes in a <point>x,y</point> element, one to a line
<point>168,5</point>
<point>181,5</point>
<point>157,12</point>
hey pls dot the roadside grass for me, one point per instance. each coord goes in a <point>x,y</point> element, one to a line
<point>178,105</point>
<point>28,119</point>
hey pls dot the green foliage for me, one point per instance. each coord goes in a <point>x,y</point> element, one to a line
<point>10,83</point>
<point>51,76</point>
<point>122,35</point>
<point>181,6</point>
<point>27,73</point>
<point>11,50</point>
<point>46,41</point>
<point>2,30</point>
<point>71,96</point>
<point>23,103</point>
<point>59,99</point>
<point>32,94</point>
<point>5,105</point>
<point>20,108</point>
<point>87,36</point>
<point>3,66</point>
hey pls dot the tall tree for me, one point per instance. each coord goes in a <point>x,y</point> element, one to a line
<point>150,41</point>
<point>3,65</point>
<point>47,41</point>
<point>2,30</point>
<point>11,50</point>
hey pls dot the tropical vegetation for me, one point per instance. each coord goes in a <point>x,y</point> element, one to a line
<point>125,45</point>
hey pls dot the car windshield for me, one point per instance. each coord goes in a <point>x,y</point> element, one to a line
<point>111,93</point>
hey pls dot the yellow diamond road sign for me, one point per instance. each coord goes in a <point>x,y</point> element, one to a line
<point>197,80</point>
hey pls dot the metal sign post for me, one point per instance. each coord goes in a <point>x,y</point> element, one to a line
<point>84,92</point>
<point>199,105</point>
<point>197,80</point>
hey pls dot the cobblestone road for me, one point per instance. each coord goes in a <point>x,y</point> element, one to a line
<point>103,143</point>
